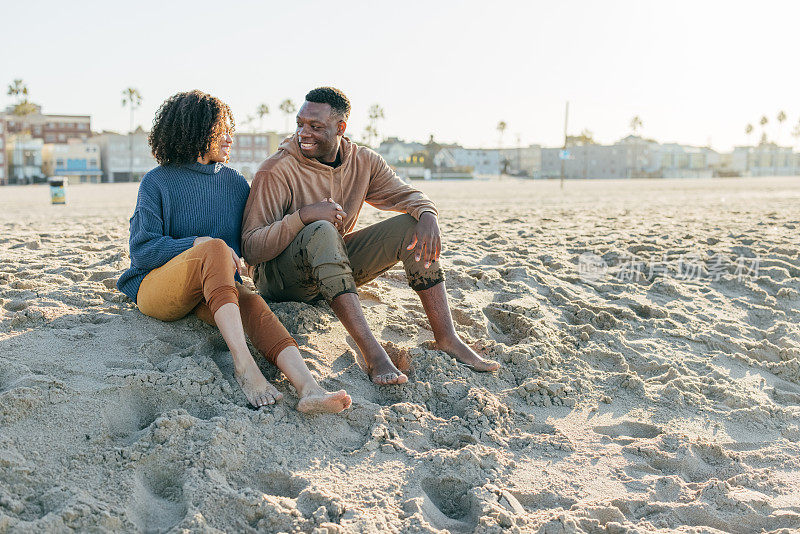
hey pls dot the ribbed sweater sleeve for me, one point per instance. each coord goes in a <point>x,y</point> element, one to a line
<point>150,248</point>
<point>388,192</point>
<point>266,232</point>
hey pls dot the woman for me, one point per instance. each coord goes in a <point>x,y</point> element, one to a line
<point>185,249</point>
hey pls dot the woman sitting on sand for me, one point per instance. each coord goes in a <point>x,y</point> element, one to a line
<point>185,249</point>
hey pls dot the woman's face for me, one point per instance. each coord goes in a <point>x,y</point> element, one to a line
<point>220,149</point>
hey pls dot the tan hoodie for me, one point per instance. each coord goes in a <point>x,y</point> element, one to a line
<point>287,181</point>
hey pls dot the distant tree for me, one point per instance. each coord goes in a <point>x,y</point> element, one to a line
<point>374,115</point>
<point>431,149</point>
<point>288,108</point>
<point>796,131</point>
<point>748,130</point>
<point>586,137</point>
<point>133,99</point>
<point>764,139</point>
<point>501,129</point>
<point>635,124</point>
<point>781,119</point>
<point>19,90</point>
<point>763,122</point>
<point>262,111</point>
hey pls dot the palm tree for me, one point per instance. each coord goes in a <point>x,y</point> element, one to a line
<point>501,129</point>
<point>748,130</point>
<point>288,108</point>
<point>796,131</point>
<point>635,124</point>
<point>19,90</point>
<point>371,131</point>
<point>133,99</point>
<point>763,122</point>
<point>781,118</point>
<point>262,111</point>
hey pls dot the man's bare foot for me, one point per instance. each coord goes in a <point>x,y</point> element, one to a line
<point>258,391</point>
<point>321,401</point>
<point>461,352</point>
<point>382,371</point>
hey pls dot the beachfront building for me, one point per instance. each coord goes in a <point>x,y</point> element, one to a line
<point>48,128</point>
<point>77,160</point>
<point>250,149</point>
<point>397,151</point>
<point>482,161</point>
<point>522,161</point>
<point>631,157</point>
<point>3,164</point>
<point>24,157</point>
<point>124,158</point>
<point>766,159</point>
<point>682,161</point>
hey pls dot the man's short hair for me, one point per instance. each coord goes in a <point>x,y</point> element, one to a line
<point>334,97</point>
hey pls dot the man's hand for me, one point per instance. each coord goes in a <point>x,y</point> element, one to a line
<point>427,239</point>
<point>326,210</point>
<point>237,261</point>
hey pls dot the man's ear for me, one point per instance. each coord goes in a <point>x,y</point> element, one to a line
<point>341,128</point>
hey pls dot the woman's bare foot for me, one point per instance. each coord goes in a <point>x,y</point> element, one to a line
<point>321,401</point>
<point>461,352</point>
<point>381,370</point>
<point>258,391</point>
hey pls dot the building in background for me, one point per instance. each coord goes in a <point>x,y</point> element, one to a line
<point>522,161</point>
<point>3,161</point>
<point>77,160</point>
<point>482,161</point>
<point>24,157</point>
<point>766,159</point>
<point>682,161</point>
<point>124,158</point>
<point>250,149</point>
<point>397,151</point>
<point>49,128</point>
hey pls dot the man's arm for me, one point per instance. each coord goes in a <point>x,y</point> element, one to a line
<point>387,191</point>
<point>266,228</point>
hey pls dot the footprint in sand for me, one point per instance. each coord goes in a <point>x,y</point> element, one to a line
<point>446,504</point>
<point>157,502</point>
<point>629,430</point>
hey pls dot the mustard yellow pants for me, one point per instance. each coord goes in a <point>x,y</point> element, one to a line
<point>200,281</point>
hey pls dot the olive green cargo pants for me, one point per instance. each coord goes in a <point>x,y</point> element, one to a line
<point>319,263</point>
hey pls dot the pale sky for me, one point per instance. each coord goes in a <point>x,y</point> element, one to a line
<point>694,71</point>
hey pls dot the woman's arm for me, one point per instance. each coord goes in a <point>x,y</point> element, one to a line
<point>150,248</point>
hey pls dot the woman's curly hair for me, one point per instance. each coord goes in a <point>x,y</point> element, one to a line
<point>187,125</point>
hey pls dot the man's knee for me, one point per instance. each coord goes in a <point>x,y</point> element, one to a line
<point>320,237</point>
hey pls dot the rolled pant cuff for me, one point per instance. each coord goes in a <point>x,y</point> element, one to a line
<point>272,354</point>
<point>335,286</point>
<point>221,296</point>
<point>421,283</point>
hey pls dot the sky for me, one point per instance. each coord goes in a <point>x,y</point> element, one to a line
<point>695,72</point>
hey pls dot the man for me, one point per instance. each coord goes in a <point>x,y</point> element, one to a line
<point>305,200</point>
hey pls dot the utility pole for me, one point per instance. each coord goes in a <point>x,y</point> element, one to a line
<point>564,150</point>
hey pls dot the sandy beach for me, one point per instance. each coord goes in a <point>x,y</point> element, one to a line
<point>648,332</point>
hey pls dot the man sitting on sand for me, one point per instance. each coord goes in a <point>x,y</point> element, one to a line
<point>304,202</point>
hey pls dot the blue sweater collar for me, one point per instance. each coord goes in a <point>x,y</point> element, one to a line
<point>211,168</point>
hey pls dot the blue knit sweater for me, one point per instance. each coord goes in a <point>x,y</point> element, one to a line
<point>176,204</point>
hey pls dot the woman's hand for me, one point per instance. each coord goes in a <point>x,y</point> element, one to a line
<point>238,262</point>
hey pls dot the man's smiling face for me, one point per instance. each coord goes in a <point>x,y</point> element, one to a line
<point>318,131</point>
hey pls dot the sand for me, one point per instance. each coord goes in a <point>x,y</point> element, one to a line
<point>629,400</point>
